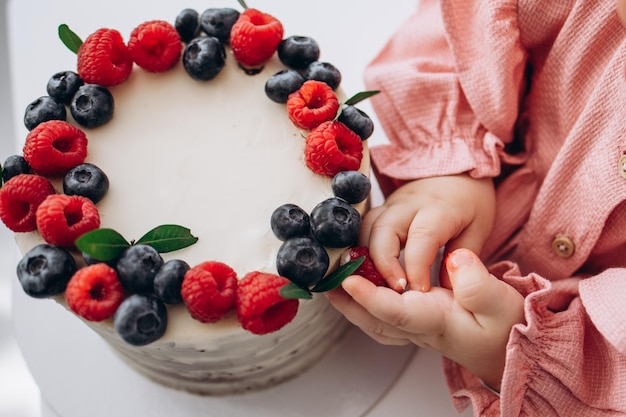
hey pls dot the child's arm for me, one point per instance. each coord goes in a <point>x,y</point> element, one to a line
<point>548,348</point>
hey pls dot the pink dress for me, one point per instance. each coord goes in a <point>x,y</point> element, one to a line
<point>533,94</point>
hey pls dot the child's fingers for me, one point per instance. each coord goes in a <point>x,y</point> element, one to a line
<point>384,232</point>
<point>421,234</point>
<point>430,230</point>
<point>488,298</point>
<point>361,317</point>
<point>414,315</point>
<point>468,240</point>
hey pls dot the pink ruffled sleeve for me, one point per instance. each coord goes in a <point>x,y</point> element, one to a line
<point>434,106</point>
<point>452,79</point>
<point>559,360</point>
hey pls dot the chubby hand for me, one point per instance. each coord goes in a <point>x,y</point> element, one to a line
<point>421,217</point>
<point>469,324</point>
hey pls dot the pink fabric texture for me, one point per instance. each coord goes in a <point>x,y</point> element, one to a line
<point>533,94</point>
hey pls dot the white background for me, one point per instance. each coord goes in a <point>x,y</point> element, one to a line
<point>19,395</point>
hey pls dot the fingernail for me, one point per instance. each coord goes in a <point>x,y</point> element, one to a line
<point>401,287</point>
<point>459,258</point>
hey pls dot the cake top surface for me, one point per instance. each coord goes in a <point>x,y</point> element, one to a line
<point>215,156</point>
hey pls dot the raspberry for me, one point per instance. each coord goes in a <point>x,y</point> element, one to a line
<point>331,148</point>
<point>366,269</point>
<point>260,308</point>
<point>254,37</point>
<point>61,219</point>
<point>103,58</point>
<point>155,46</point>
<point>19,199</point>
<point>315,102</point>
<point>54,147</point>
<point>94,292</point>
<point>209,291</point>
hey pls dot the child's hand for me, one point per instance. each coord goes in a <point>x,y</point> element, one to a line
<point>469,324</point>
<point>423,216</point>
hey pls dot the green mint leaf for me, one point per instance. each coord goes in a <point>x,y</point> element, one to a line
<point>358,97</point>
<point>291,291</point>
<point>102,244</point>
<point>335,279</point>
<point>242,3</point>
<point>168,238</point>
<point>69,38</point>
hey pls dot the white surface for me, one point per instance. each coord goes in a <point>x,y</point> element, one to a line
<point>410,396</point>
<point>19,395</point>
<point>349,32</point>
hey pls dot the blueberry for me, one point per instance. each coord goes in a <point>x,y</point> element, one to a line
<point>218,22</point>
<point>280,85</point>
<point>169,279</point>
<point>302,260</point>
<point>187,24</point>
<point>43,109</point>
<point>357,121</point>
<point>289,221</point>
<point>298,52</point>
<point>335,223</point>
<point>140,319</point>
<point>14,165</point>
<point>323,71</point>
<point>63,85</point>
<point>204,58</point>
<point>137,266</point>
<point>45,270</point>
<point>86,180</point>
<point>352,186</point>
<point>92,105</point>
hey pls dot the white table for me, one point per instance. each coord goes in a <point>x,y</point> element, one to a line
<point>349,33</point>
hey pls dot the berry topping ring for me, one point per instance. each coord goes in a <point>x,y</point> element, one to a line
<point>130,280</point>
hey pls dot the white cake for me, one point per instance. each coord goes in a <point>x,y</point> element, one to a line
<point>217,157</point>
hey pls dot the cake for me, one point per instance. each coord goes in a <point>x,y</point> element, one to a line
<point>216,157</point>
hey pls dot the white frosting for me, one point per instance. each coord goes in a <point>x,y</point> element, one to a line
<point>217,157</point>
